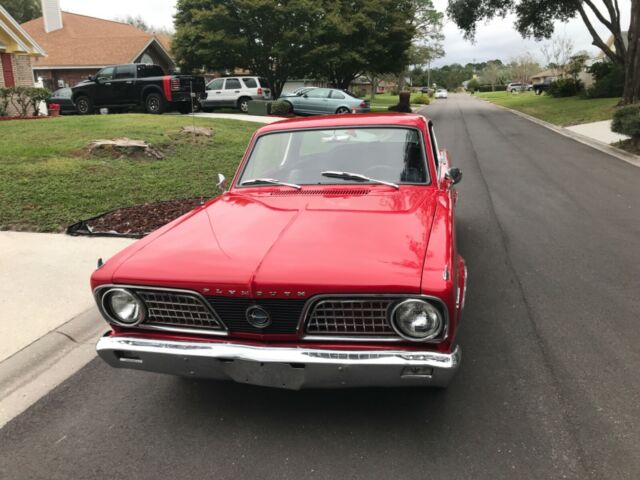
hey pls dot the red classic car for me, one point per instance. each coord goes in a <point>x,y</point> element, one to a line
<point>331,261</point>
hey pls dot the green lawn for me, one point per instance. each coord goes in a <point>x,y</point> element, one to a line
<point>48,180</point>
<point>559,111</point>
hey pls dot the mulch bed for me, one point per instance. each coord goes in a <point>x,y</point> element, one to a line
<point>23,118</point>
<point>136,221</point>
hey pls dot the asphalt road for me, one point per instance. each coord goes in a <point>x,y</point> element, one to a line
<point>549,387</point>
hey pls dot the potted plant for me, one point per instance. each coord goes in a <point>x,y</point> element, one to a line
<point>54,110</point>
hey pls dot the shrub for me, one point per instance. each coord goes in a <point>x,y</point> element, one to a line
<point>38,95</point>
<point>473,85</point>
<point>280,107</point>
<point>421,100</point>
<point>489,88</point>
<point>5,98</point>
<point>609,80</point>
<point>626,120</point>
<point>565,87</point>
<point>394,91</point>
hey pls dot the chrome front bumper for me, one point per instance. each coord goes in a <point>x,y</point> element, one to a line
<point>282,367</point>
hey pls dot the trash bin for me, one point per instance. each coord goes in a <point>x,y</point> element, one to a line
<point>259,107</point>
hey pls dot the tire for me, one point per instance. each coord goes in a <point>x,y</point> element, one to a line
<point>243,104</point>
<point>84,105</point>
<point>154,104</point>
<point>342,111</point>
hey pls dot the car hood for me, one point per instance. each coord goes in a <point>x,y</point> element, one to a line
<point>289,243</point>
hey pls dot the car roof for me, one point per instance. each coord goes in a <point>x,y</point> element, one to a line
<point>359,120</point>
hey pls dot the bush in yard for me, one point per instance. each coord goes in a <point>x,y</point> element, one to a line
<point>626,120</point>
<point>473,85</point>
<point>5,98</point>
<point>421,100</point>
<point>609,80</point>
<point>280,107</point>
<point>37,96</point>
<point>565,87</point>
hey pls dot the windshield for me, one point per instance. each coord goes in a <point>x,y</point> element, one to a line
<point>300,157</point>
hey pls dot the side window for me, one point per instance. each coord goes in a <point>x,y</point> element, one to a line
<point>337,95</point>
<point>125,71</point>
<point>232,84</point>
<point>319,93</point>
<point>434,145</point>
<point>106,74</point>
<point>250,82</point>
<point>216,84</point>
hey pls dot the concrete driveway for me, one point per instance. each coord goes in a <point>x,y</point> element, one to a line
<point>44,282</point>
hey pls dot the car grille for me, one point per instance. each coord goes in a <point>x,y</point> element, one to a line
<point>172,309</point>
<point>367,317</point>
<point>285,314</point>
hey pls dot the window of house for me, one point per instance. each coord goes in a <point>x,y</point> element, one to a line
<point>146,58</point>
<point>231,84</point>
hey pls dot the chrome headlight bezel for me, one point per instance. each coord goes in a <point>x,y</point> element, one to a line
<point>108,311</point>
<point>440,322</point>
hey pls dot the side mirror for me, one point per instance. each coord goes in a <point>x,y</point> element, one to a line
<point>454,175</point>
<point>305,96</point>
<point>91,78</point>
<point>222,183</point>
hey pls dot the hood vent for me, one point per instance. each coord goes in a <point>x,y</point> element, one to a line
<point>342,192</point>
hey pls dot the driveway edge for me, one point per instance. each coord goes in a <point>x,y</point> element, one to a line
<point>31,373</point>
<point>627,157</point>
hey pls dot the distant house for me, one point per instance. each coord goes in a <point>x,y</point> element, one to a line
<point>612,45</point>
<point>546,76</point>
<point>17,53</point>
<point>78,46</point>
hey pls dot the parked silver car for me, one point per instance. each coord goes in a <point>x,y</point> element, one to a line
<point>323,101</point>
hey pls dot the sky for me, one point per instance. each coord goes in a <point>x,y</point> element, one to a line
<point>496,39</point>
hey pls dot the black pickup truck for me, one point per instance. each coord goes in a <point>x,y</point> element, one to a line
<point>137,85</point>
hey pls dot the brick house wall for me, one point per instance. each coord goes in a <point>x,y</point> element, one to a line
<point>22,75</point>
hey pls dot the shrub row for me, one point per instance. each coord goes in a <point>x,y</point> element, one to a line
<point>565,87</point>
<point>25,100</point>
<point>626,120</point>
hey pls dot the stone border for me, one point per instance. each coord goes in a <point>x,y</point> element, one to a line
<point>618,153</point>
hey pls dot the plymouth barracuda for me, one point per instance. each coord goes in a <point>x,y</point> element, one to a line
<point>329,261</point>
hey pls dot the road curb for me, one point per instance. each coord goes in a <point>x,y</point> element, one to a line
<point>31,373</point>
<point>627,157</point>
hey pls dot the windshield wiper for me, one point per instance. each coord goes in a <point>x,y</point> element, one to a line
<point>358,177</point>
<point>270,181</point>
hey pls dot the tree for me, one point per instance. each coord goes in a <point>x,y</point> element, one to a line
<point>354,37</point>
<point>577,64</point>
<point>522,67</point>
<point>268,37</point>
<point>141,24</point>
<point>23,10</point>
<point>557,52</point>
<point>536,18</point>
<point>493,74</point>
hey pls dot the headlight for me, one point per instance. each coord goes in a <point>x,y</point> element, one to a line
<point>416,320</point>
<point>123,307</point>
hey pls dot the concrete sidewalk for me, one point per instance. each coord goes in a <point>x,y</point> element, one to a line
<point>239,116</point>
<point>44,282</point>
<point>600,131</point>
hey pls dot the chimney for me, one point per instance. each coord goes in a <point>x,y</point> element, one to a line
<point>51,15</point>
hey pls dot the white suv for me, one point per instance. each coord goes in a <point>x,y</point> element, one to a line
<point>235,92</point>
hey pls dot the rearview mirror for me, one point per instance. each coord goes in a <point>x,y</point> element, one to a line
<point>222,183</point>
<point>454,175</point>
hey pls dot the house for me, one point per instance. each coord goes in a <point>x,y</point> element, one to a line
<point>18,50</point>
<point>546,76</point>
<point>78,46</point>
<point>611,43</point>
